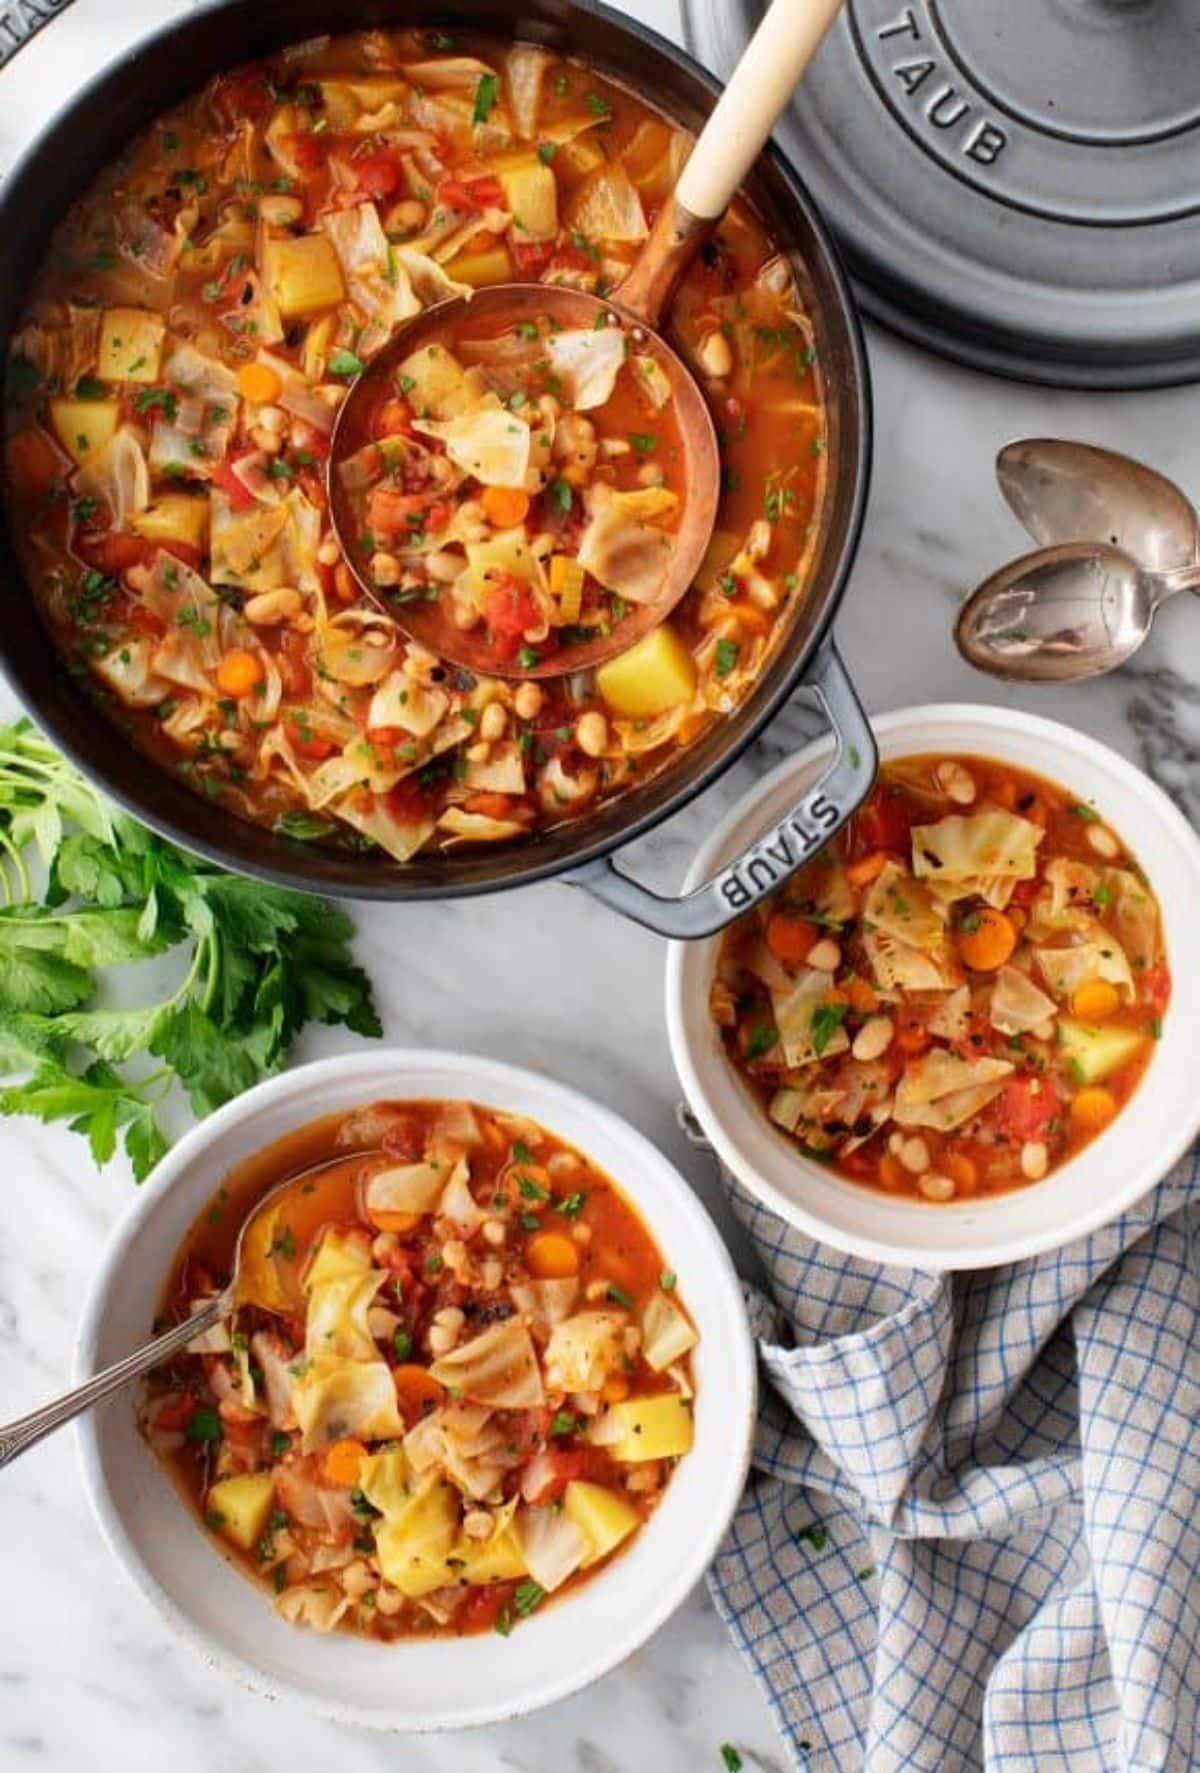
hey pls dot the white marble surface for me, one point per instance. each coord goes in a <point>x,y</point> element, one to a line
<point>87,1677</point>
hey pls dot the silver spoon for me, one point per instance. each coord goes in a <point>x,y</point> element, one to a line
<point>1062,613</point>
<point>260,1276</point>
<point>1074,492</point>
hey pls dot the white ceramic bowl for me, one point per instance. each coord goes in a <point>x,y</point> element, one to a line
<point>419,1685</point>
<point>1111,1173</point>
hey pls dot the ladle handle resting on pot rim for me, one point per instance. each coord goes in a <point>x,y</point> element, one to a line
<point>817,817</point>
<point>759,89</point>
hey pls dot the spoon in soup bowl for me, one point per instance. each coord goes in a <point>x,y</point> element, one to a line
<point>266,1271</point>
<point>760,87</point>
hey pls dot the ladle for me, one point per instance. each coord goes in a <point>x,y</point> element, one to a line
<point>760,87</point>
<point>1074,611</point>
<point>265,1273</point>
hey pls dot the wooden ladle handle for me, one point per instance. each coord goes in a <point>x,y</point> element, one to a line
<point>759,89</point>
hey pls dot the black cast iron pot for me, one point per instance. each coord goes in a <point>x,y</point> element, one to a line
<point>161,70</point>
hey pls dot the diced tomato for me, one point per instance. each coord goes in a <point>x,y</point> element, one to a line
<point>308,743</point>
<point>563,1468</point>
<point>1028,1105</point>
<point>394,415</point>
<point>438,516</point>
<point>408,799</point>
<point>390,511</point>
<point>510,610</point>
<point>185,553</point>
<point>145,621</point>
<point>174,1415</point>
<point>306,149</point>
<point>405,1138</point>
<point>1156,989</point>
<point>885,822</point>
<point>1025,892</point>
<point>112,551</point>
<point>491,804</point>
<point>312,485</point>
<point>485,192</point>
<point>240,497</point>
<point>245,94</point>
<point>567,257</point>
<point>377,175</point>
<point>531,256</point>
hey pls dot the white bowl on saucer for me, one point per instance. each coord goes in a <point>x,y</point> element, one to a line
<point>1111,1173</point>
<point>426,1684</point>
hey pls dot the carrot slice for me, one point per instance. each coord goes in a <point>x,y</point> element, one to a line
<point>260,383</point>
<point>552,1255</point>
<point>1092,1108</point>
<point>343,1461</point>
<point>863,872</point>
<point>790,937</point>
<point>1096,1000</point>
<point>382,1220</point>
<point>238,673</point>
<point>505,506</point>
<point>986,939</point>
<point>417,1391</point>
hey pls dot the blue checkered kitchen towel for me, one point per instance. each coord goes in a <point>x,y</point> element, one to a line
<point>971,1538</point>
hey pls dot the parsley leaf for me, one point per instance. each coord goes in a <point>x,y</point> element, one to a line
<point>827,1019</point>
<point>486,94</point>
<point>345,363</point>
<point>255,964</point>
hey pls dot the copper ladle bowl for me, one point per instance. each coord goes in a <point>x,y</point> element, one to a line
<point>760,87</point>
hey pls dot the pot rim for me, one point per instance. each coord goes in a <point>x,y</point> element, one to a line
<point>335,873</point>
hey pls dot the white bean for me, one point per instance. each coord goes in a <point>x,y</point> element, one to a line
<point>873,1038</point>
<point>914,1155</point>
<point>591,733</point>
<point>493,722</point>
<point>385,568</point>
<point>529,701</point>
<point>935,1187</point>
<point>1035,1160</point>
<point>956,783</point>
<point>825,955</point>
<point>270,607</point>
<point>1103,841</point>
<point>715,355</point>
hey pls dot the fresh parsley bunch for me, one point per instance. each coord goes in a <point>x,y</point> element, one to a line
<point>258,962</point>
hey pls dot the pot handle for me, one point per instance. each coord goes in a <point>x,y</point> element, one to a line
<point>19,23</point>
<point>769,861</point>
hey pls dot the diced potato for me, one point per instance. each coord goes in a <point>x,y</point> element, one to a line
<point>653,675</point>
<point>435,382</point>
<point>84,427</point>
<point>131,341</point>
<point>303,276</point>
<point>531,198</point>
<point>566,586</point>
<point>343,101</point>
<point>602,1515</point>
<point>497,1559</point>
<point>413,1546</point>
<point>654,1428</point>
<point>243,1504</point>
<point>1095,1052</point>
<point>175,517</point>
<point>489,265</point>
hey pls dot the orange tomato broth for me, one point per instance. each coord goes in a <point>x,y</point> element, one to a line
<point>1047,1100</point>
<point>197,195</point>
<point>614,1249</point>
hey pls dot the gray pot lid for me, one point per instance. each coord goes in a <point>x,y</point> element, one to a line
<point>1014,183</point>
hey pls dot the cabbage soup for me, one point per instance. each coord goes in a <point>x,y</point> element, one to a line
<point>175,381</point>
<point>959,993</point>
<point>479,1398</point>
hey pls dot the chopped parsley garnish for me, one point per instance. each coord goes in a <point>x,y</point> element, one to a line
<point>280,1443</point>
<point>644,441</point>
<point>814,1534</point>
<point>599,107</point>
<point>760,1039</point>
<point>827,1019</point>
<point>725,657</point>
<point>571,1205</point>
<point>345,363</point>
<point>619,1296</point>
<point>561,494</point>
<point>402,1342</point>
<point>522,1154</point>
<point>204,1426</point>
<point>527,658</point>
<point>1088,814</point>
<point>527,1596</point>
<point>563,1423</point>
<point>731,1758</point>
<point>668,1280</point>
<point>486,94</point>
